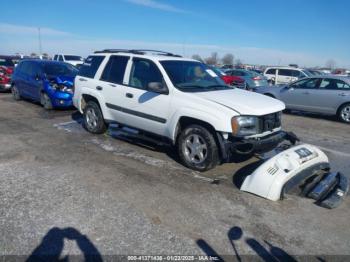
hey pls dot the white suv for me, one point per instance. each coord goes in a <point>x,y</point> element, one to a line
<point>178,100</point>
<point>75,60</point>
<point>285,75</point>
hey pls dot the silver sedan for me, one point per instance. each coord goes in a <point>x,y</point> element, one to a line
<point>323,94</point>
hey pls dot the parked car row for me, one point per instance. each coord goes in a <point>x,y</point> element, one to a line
<point>163,97</point>
<point>44,81</point>
<point>6,70</point>
<point>319,94</point>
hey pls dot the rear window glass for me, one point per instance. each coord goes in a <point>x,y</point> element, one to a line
<point>115,69</point>
<point>90,66</point>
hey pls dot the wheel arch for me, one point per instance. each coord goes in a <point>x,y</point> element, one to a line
<point>185,121</point>
<point>343,104</point>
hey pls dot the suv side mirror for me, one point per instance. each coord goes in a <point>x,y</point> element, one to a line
<point>157,87</point>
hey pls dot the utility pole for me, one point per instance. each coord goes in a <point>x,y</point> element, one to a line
<point>40,48</point>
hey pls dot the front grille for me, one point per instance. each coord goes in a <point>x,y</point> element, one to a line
<point>270,122</point>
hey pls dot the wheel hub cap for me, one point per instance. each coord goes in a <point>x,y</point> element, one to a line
<point>195,149</point>
<point>345,113</point>
<point>91,118</point>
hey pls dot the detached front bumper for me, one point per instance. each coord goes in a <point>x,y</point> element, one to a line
<point>234,145</point>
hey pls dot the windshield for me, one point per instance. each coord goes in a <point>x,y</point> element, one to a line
<point>190,76</point>
<point>6,62</point>
<point>73,58</point>
<point>60,69</point>
<point>308,73</point>
<point>217,71</point>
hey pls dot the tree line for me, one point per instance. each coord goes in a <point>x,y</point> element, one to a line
<point>214,59</point>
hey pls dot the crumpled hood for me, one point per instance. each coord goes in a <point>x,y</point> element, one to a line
<point>244,102</point>
<point>65,80</point>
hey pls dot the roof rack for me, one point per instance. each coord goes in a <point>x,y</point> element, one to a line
<point>137,51</point>
<point>144,51</point>
<point>118,51</point>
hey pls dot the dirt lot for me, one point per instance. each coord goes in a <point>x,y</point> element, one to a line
<point>70,192</point>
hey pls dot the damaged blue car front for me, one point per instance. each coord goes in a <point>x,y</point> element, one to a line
<point>48,82</point>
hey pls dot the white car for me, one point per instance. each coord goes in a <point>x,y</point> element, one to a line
<point>75,60</point>
<point>177,100</point>
<point>285,75</point>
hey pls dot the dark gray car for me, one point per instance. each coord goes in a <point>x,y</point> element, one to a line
<point>323,94</point>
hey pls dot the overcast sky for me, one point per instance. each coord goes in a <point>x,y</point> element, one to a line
<point>261,32</point>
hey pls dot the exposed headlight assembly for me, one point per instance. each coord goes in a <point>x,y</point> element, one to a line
<point>245,125</point>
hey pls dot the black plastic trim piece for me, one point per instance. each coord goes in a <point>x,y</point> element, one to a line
<point>335,198</point>
<point>136,113</point>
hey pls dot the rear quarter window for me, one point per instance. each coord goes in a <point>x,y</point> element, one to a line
<point>90,66</point>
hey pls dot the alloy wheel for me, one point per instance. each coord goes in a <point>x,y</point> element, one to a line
<point>345,114</point>
<point>91,118</point>
<point>195,149</point>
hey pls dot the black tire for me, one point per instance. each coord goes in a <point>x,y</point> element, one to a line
<point>93,120</point>
<point>344,113</point>
<point>209,156</point>
<point>15,93</point>
<point>45,101</point>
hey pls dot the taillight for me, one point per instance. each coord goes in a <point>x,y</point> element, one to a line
<point>256,78</point>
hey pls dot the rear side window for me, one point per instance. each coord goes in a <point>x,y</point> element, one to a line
<point>271,72</point>
<point>90,66</point>
<point>115,69</point>
<point>55,57</point>
<point>285,72</point>
<point>334,84</point>
<point>60,58</point>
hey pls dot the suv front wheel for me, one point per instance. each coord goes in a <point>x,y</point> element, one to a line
<point>93,118</point>
<point>197,148</point>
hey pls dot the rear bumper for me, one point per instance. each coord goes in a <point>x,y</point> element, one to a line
<point>247,146</point>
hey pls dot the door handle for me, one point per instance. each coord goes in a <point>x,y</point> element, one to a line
<point>99,88</point>
<point>342,94</point>
<point>129,95</point>
<point>305,93</point>
<point>82,79</point>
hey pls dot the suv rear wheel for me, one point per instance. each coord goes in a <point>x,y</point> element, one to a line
<point>197,148</point>
<point>93,119</point>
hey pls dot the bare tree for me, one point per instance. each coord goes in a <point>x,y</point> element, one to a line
<point>331,64</point>
<point>198,57</point>
<point>228,59</point>
<point>239,62</point>
<point>213,59</point>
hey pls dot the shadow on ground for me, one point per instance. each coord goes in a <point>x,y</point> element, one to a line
<point>271,253</point>
<point>52,245</point>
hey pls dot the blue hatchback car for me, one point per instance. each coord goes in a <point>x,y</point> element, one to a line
<point>44,81</point>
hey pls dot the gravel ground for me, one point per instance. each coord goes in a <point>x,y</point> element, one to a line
<point>64,191</point>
